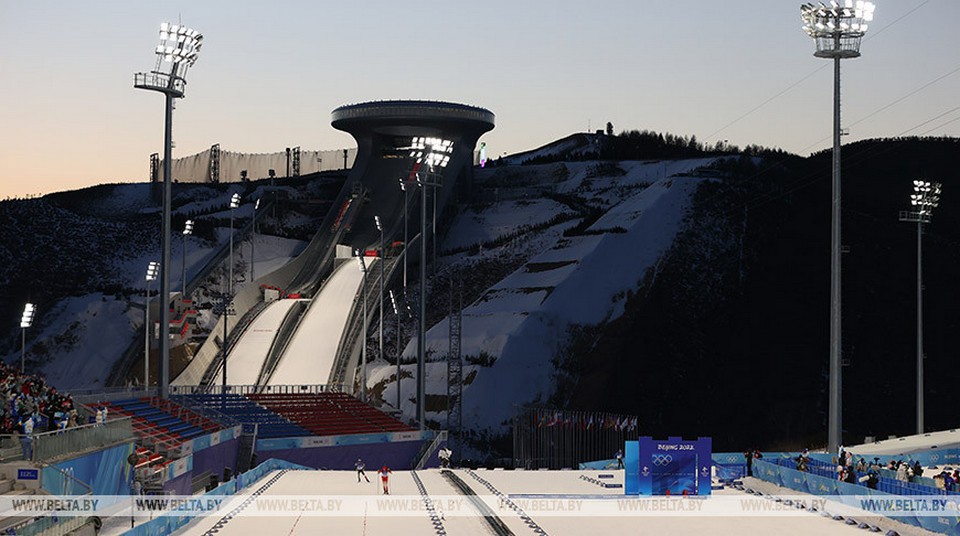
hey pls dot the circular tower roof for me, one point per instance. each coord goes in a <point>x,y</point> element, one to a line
<point>397,117</point>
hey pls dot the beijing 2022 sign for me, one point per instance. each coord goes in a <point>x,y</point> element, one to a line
<point>668,467</point>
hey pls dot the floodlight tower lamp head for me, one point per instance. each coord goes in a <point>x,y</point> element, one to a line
<point>360,263</point>
<point>153,269</point>
<point>837,30</point>
<point>235,200</point>
<point>26,320</point>
<point>188,228</point>
<point>178,50</point>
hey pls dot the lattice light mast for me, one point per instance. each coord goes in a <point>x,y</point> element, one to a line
<point>837,30</point>
<point>925,198</point>
<point>178,51</point>
<point>153,269</point>
<point>430,156</point>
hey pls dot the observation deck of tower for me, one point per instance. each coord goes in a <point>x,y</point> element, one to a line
<point>381,129</point>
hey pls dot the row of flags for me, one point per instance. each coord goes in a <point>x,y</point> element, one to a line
<point>586,421</point>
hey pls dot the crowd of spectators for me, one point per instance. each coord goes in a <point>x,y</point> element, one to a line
<point>30,405</point>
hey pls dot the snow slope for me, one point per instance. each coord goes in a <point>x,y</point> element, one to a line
<point>311,353</point>
<point>523,320</point>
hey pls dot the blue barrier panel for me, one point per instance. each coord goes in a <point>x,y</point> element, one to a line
<point>631,472</point>
<point>166,524</point>
<point>598,465</point>
<point>730,472</point>
<point>889,491</point>
<point>106,471</point>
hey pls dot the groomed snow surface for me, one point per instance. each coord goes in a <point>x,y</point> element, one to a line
<point>548,499</point>
<point>312,351</point>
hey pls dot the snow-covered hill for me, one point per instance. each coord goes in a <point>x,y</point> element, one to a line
<point>82,257</point>
<point>575,238</point>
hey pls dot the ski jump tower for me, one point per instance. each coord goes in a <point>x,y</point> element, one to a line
<point>384,172</point>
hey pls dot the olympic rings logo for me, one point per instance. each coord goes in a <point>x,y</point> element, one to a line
<point>661,460</point>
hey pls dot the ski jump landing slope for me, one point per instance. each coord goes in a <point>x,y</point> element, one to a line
<point>310,356</point>
<point>246,358</point>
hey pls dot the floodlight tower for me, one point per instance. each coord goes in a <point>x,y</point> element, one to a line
<point>837,31</point>
<point>253,240</point>
<point>396,311</point>
<point>234,203</point>
<point>403,188</point>
<point>376,219</point>
<point>430,156</point>
<point>363,347</point>
<point>925,198</point>
<point>178,51</point>
<point>152,270</point>
<point>29,310</point>
<point>187,231</point>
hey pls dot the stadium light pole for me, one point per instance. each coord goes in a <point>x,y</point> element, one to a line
<point>380,228</point>
<point>925,198</point>
<point>837,31</point>
<point>234,203</point>
<point>253,240</point>
<point>178,51</point>
<point>29,310</point>
<point>225,308</point>
<point>396,311</point>
<point>152,270</point>
<point>403,188</point>
<point>187,231</point>
<point>430,156</point>
<point>363,348</point>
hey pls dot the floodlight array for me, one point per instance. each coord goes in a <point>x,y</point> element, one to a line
<point>434,152</point>
<point>153,269</point>
<point>837,29</point>
<point>179,44</point>
<point>851,19</point>
<point>376,219</point>
<point>360,263</point>
<point>393,301</point>
<point>235,200</point>
<point>188,228</point>
<point>29,310</point>
<point>926,196</point>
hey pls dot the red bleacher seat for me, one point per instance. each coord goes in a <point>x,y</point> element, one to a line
<point>330,413</point>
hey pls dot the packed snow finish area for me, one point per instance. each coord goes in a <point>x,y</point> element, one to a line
<point>462,518</point>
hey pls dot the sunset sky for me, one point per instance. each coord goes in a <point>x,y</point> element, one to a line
<point>270,73</point>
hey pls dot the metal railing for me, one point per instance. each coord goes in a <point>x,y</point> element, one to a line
<point>50,445</point>
<point>59,482</point>
<point>259,389</point>
<point>93,396</point>
<point>434,445</point>
<point>349,339</point>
